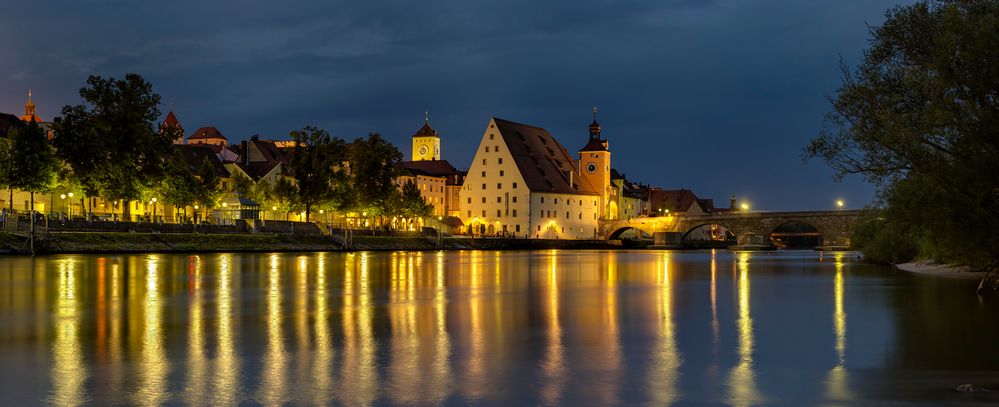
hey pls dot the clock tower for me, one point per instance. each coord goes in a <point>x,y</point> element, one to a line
<point>426,143</point>
<point>595,164</point>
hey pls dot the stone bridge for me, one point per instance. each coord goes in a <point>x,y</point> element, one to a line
<point>836,227</point>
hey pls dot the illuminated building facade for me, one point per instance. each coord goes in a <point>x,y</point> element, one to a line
<point>522,182</point>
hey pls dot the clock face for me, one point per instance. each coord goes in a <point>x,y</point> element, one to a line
<point>437,151</point>
<point>591,168</point>
<point>424,150</point>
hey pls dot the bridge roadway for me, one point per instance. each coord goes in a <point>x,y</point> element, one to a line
<point>836,227</point>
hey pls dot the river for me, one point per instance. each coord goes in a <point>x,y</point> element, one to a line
<point>489,328</point>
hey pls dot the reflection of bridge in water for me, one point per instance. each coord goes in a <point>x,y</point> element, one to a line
<point>835,227</point>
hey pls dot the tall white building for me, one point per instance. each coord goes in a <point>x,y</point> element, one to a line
<point>522,182</point>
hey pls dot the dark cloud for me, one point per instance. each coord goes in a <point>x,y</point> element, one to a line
<point>719,96</point>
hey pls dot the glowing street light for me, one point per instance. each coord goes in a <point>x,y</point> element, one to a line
<point>840,203</point>
<point>745,207</point>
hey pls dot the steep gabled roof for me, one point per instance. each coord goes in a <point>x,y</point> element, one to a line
<point>195,155</point>
<point>675,200</point>
<point>426,131</point>
<point>543,162</point>
<point>171,121</point>
<point>207,132</point>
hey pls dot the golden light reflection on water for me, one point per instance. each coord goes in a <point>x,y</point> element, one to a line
<point>69,373</point>
<point>553,366</point>
<point>742,379</point>
<point>153,365</point>
<point>195,389</point>
<point>322,382</point>
<point>551,327</point>
<point>664,378</point>
<point>274,374</point>
<point>358,374</point>
<point>837,380</point>
<point>226,387</point>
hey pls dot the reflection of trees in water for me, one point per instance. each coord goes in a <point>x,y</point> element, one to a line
<point>940,324</point>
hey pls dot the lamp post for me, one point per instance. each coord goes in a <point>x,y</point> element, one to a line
<point>745,207</point>
<point>153,202</point>
<point>63,196</point>
<point>274,212</point>
<point>195,214</point>
<point>70,209</point>
<point>840,204</point>
<point>224,215</point>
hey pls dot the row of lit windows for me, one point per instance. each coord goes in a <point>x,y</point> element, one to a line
<point>484,173</point>
<point>499,185</point>
<point>568,201</point>
<point>495,148</point>
<point>549,214</point>
<point>498,161</point>
<point>499,199</point>
<point>499,213</point>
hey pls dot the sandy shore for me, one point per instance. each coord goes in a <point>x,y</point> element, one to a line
<point>942,270</point>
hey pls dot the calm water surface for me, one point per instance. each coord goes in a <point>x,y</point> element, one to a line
<point>509,328</point>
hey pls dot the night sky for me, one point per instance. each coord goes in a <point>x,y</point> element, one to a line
<point>719,96</point>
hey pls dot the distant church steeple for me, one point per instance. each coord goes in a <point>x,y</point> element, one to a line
<point>594,127</point>
<point>426,142</point>
<point>29,110</point>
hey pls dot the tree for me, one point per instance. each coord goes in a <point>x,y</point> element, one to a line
<point>181,188</point>
<point>316,164</point>
<point>919,118</point>
<point>412,204</point>
<point>374,165</point>
<point>285,194</point>
<point>208,185</point>
<point>5,168</point>
<point>33,165</point>
<point>110,142</point>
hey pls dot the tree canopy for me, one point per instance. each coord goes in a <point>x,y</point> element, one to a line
<point>919,117</point>
<point>374,165</point>
<point>317,166</point>
<point>111,142</point>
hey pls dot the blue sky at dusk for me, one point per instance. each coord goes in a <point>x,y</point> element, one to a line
<point>719,96</point>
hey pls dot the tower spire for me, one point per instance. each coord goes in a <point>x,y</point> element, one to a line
<point>427,117</point>
<point>594,127</point>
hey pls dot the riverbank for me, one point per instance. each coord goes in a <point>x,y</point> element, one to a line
<point>59,243</point>
<point>942,270</point>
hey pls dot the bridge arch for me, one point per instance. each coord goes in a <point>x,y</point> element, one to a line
<point>795,233</point>
<point>640,233</point>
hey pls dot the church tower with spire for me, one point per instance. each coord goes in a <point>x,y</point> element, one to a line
<point>595,165</point>
<point>426,143</point>
<point>29,111</point>
<point>173,125</point>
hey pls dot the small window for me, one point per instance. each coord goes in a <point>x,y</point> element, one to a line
<point>542,214</point>
<point>469,199</point>
<point>483,174</point>
<point>542,199</point>
<point>496,149</point>
<point>514,185</point>
<point>515,215</point>
<point>567,214</point>
<point>556,201</point>
<point>469,213</point>
<point>483,161</point>
<point>514,199</point>
<point>501,161</point>
<point>539,228</point>
<point>517,227</point>
<point>483,213</point>
<point>491,136</point>
<point>501,173</point>
<point>483,187</point>
<point>483,199</point>
<point>580,215</point>
<point>499,213</point>
<point>487,149</point>
<point>499,185</point>
<point>499,199</point>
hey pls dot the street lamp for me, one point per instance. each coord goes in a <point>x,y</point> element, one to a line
<point>70,214</point>
<point>63,196</point>
<point>840,203</point>
<point>745,207</point>
<point>195,214</point>
<point>153,201</point>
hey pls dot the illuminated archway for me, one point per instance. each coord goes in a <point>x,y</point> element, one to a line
<point>795,235</point>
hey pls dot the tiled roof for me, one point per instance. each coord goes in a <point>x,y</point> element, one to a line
<point>207,132</point>
<point>171,120</point>
<point>595,145</point>
<point>675,200</point>
<point>543,162</point>
<point>426,131</point>
<point>8,121</point>
<point>258,170</point>
<point>195,155</point>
